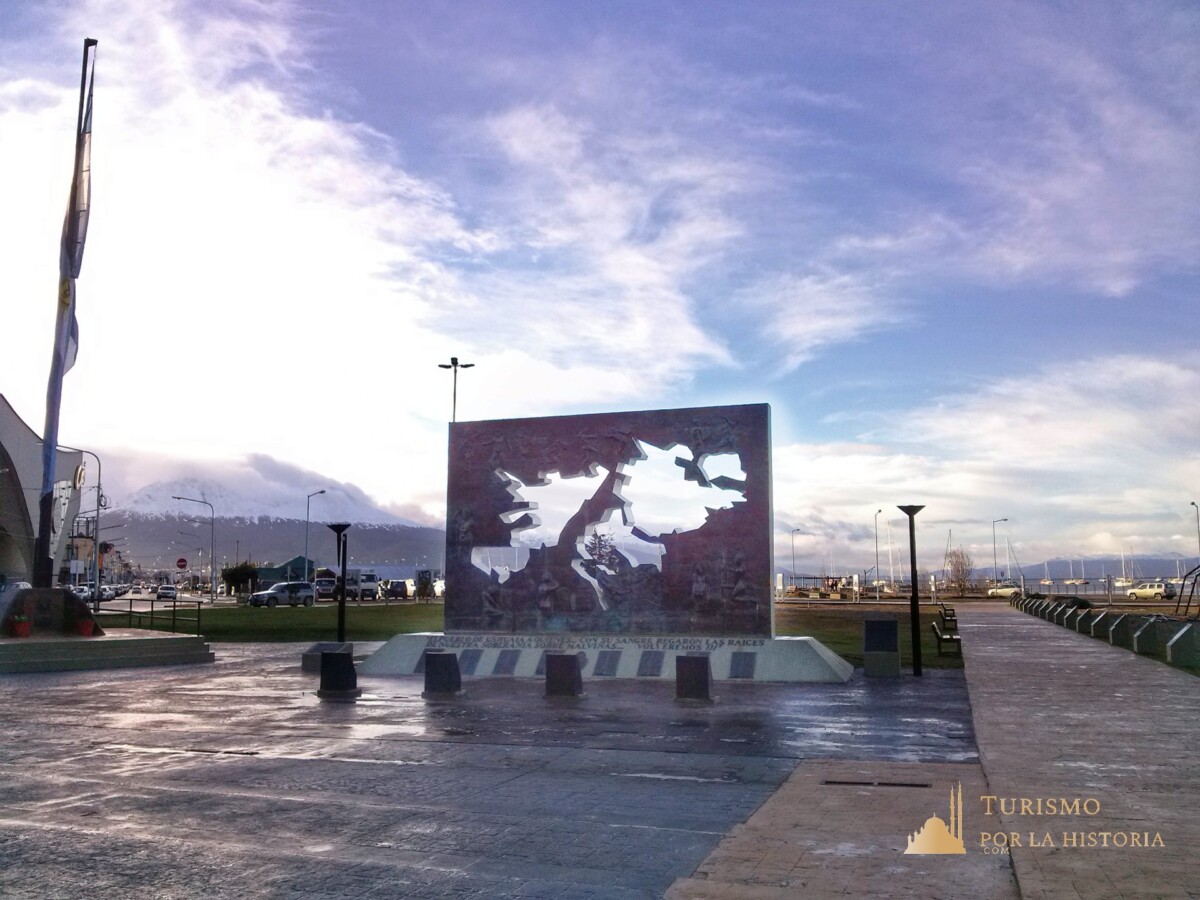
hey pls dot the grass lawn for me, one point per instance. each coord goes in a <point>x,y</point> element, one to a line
<point>317,623</point>
<point>841,630</point>
<point>838,628</point>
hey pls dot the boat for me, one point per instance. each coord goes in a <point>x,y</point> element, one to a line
<point>1047,580</point>
<point>1124,581</point>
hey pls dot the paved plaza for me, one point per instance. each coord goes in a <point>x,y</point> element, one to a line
<point>234,780</point>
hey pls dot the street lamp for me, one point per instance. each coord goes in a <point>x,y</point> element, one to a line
<point>877,579</point>
<point>994,563</point>
<point>794,530</point>
<point>914,614</point>
<point>307,503</point>
<point>1197,529</point>
<point>212,544</point>
<point>455,365</point>
<point>339,530</point>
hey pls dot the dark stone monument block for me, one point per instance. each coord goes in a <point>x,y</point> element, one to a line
<point>310,659</point>
<point>339,680</point>
<point>442,676</point>
<point>693,678</point>
<point>564,677</point>
<point>881,648</point>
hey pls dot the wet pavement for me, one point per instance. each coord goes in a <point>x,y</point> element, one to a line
<point>233,780</point>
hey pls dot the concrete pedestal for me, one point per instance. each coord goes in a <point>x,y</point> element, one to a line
<point>799,659</point>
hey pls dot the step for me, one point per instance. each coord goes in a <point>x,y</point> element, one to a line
<point>72,653</point>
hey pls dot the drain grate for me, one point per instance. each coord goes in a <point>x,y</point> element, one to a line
<point>911,784</point>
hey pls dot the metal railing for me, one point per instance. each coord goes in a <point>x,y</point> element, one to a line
<point>163,615</point>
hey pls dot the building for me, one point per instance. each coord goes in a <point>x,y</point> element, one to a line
<point>20,491</point>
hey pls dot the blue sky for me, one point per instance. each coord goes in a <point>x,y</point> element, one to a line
<point>954,245</point>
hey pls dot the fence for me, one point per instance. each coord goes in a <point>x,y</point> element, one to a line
<point>163,615</point>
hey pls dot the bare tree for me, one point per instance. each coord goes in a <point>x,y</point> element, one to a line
<point>959,568</point>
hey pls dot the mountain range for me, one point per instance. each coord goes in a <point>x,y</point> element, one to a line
<point>154,530</point>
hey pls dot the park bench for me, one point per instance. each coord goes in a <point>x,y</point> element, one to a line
<point>949,618</point>
<point>953,640</point>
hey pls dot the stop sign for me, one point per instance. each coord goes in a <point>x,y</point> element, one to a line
<point>181,563</point>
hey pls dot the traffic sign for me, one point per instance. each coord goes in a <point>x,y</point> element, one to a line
<point>181,563</point>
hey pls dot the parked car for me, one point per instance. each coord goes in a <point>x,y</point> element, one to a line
<point>292,593</point>
<point>1152,590</point>
<point>165,592</point>
<point>1007,590</point>
<point>395,589</point>
<point>325,587</point>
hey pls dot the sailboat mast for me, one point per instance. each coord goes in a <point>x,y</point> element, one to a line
<point>891,566</point>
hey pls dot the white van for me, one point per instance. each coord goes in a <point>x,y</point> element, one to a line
<point>362,584</point>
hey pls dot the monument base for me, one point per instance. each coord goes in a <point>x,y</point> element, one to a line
<point>789,659</point>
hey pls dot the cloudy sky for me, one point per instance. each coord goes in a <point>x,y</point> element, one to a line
<point>954,246</point>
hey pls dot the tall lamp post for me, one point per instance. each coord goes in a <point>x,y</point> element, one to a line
<point>995,565</point>
<point>914,613</point>
<point>212,544</point>
<point>339,530</point>
<point>877,579</point>
<point>307,502</point>
<point>794,530</point>
<point>1197,530</point>
<point>455,365</point>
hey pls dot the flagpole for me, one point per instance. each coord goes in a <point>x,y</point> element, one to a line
<point>70,257</point>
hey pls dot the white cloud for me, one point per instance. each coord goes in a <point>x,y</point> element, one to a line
<point>803,315</point>
<point>1094,183</point>
<point>1080,457</point>
<point>263,273</point>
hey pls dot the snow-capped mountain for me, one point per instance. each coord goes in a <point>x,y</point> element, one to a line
<point>258,508</point>
<point>338,503</point>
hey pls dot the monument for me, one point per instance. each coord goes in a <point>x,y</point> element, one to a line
<point>639,522</point>
<point>630,537</point>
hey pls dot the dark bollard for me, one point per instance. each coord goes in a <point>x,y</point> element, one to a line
<point>693,679</point>
<point>339,680</point>
<point>564,678</point>
<point>310,659</point>
<point>442,676</point>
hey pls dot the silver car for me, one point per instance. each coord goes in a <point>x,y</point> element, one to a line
<point>1153,590</point>
<point>292,593</point>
